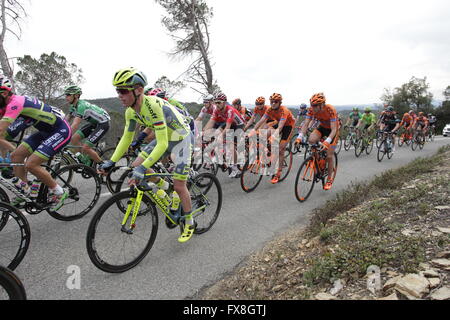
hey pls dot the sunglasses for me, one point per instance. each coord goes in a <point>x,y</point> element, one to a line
<point>315,105</point>
<point>219,102</point>
<point>259,104</point>
<point>274,102</point>
<point>124,91</point>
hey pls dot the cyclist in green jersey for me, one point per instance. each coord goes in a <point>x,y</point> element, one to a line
<point>98,123</point>
<point>172,133</point>
<point>369,119</point>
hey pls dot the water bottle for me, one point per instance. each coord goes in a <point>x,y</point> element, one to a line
<point>164,197</point>
<point>35,188</point>
<point>175,203</point>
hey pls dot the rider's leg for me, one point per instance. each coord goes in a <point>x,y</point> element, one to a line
<point>91,153</point>
<point>18,156</point>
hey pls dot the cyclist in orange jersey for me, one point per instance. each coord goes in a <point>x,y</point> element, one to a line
<point>329,126</point>
<point>260,110</point>
<point>283,128</point>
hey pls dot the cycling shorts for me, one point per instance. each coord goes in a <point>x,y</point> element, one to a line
<point>93,132</point>
<point>324,132</point>
<point>46,144</point>
<point>285,133</point>
<point>222,125</point>
<point>181,152</point>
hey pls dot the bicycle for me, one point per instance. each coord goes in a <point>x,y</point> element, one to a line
<point>418,140</point>
<point>82,183</point>
<point>405,138</point>
<point>132,221</point>
<point>364,143</point>
<point>431,133</point>
<point>11,288</point>
<point>386,146</point>
<point>313,170</point>
<point>351,139</point>
<point>15,234</point>
<point>259,164</point>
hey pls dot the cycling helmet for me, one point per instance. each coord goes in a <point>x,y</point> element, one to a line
<point>276,97</point>
<point>129,77</point>
<point>368,109</point>
<point>303,106</point>
<point>5,83</point>
<point>390,109</point>
<point>72,90</point>
<point>430,115</point>
<point>260,100</point>
<point>411,112</point>
<point>356,109</point>
<point>160,93</point>
<point>221,97</point>
<point>406,114</point>
<point>421,114</point>
<point>208,98</point>
<point>318,98</point>
<point>147,91</point>
<point>237,102</point>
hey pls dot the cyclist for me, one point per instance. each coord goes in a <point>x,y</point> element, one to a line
<point>260,110</point>
<point>226,117</point>
<point>246,113</point>
<point>390,123</point>
<point>94,131</point>
<point>407,123</point>
<point>421,123</point>
<point>327,115</point>
<point>208,108</point>
<point>283,128</point>
<point>172,132</point>
<point>354,119</point>
<point>369,120</point>
<point>432,122</point>
<point>53,133</point>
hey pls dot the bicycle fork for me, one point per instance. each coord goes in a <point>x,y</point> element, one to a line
<point>133,205</point>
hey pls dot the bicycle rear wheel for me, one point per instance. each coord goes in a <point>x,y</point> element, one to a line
<point>287,164</point>
<point>109,247</point>
<point>369,146</point>
<point>11,288</point>
<point>15,236</point>
<point>348,142</point>
<point>305,180</point>
<point>381,151</point>
<point>83,186</point>
<point>206,191</point>
<point>359,148</point>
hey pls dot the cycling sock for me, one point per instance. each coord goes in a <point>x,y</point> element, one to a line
<point>188,218</point>
<point>57,190</point>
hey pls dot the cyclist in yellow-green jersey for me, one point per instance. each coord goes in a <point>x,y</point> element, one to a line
<point>172,134</point>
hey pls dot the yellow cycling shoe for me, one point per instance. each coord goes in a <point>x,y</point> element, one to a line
<point>187,233</point>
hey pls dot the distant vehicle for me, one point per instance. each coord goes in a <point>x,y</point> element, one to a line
<point>446,131</point>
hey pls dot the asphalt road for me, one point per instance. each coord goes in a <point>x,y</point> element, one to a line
<point>177,271</point>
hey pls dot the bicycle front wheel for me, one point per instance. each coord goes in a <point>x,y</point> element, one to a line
<point>113,249</point>
<point>381,151</point>
<point>305,180</point>
<point>15,236</point>
<point>359,148</point>
<point>251,176</point>
<point>11,288</point>
<point>83,186</point>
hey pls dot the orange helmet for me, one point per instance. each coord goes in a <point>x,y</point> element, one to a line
<point>318,98</point>
<point>406,114</point>
<point>420,114</point>
<point>237,102</point>
<point>260,100</point>
<point>276,97</point>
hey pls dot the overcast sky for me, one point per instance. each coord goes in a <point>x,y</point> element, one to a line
<point>349,49</point>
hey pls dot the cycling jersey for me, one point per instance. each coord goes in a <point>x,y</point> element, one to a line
<point>369,118</point>
<point>422,120</point>
<point>155,113</point>
<point>390,120</point>
<point>246,113</point>
<point>228,115</point>
<point>260,111</point>
<point>432,120</point>
<point>407,120</point>
<point>206,111</point>
<point>89,112</point>
<point>326,115</point>
<point>280,114</point>
<point>302,112</point>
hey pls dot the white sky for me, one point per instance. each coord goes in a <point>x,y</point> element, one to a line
<point>349,49</point>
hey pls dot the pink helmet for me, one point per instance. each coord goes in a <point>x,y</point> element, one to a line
<point>221,97</point>
<point>160,93</point>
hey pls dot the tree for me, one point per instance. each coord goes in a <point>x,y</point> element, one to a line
<point>47,77</point>
<point>12,12</point>
<point>188,22</point>
<point>171,87</point>
<point>411,95</point>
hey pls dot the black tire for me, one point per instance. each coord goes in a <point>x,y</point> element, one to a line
<point>369,147</point>
<point>348,142</point>
<point>287,164</point>
<point>251,176</point>
<point>401,140</point>
<point>84,187</point>
<point>15,236</point>
<point>305,180</point>
<point>381,151</point>
<point>414,142</point>
<point>12,285</point>
<point>97,240</point>
<point>205,189</point>
<point>339,145</point>
<point>359,148</point>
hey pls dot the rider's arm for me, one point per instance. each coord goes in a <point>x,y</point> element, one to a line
<point>75,124</point>
<point>127,137</point>
<point>162,138</point>
<point>250,122</point>
<point>260,122</point>
<point>5,145</point>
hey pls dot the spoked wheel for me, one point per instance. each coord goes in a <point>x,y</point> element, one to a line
<point>305,180</point>
<point>114,249</point>
<point>401,140</point>
<point>15,236</point>
<point>359,148</point>
<point>379,139</point>
<point>369,146</point>
<point>252,176</point>
<point>381,151</point>
<point>206,195</point>
<point>390,147</point>
<point>287,164</point>
<point>333,174</point>
<point>348,142</point>
<point>83,187</point>
<point>421,142</point>
<point>415,142</point>
<point>339,146</point>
